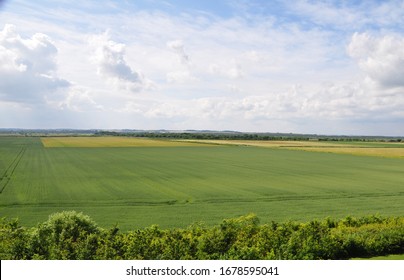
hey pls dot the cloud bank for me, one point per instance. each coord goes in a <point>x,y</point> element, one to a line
<point>381,58</point>
<point>27,67</point>
<point>312,67</point>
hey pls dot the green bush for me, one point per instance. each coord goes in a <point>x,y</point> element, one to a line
<point>66,235</point>
<point>13,240</point>
<point>72,235</point>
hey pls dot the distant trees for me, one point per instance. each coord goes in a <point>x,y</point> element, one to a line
<point>71,235</point>
<point>245,136</point>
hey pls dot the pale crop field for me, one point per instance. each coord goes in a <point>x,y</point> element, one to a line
<point>267,144</point>
<point>359,151</point>
<point>379,149</point>
<point>110,141</point>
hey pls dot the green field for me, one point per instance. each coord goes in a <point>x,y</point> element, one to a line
<point>176,185</point>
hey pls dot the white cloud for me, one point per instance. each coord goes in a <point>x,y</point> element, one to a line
<point>111,64</point>
<point>27,67</point>
<point>381,58</point>
<point>178,47</point>
<point>181,72</point>
<point>326,12</point>
<point>78,99</point>
<point>331,103</point>
<point>231,70</point>
<point>180,77</point>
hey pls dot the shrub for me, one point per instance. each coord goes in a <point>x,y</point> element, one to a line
<point>72,235</point>
<point>66,235</point>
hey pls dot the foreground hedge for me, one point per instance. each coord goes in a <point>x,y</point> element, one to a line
<point>71,235</point>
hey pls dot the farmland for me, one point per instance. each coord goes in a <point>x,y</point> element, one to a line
<point>138,182</point>
<point>103,142</point>
<point>380,149</point>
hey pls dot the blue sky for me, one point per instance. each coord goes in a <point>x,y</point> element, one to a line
<point>326,67</point>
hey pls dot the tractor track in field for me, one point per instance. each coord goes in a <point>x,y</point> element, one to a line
<point>136,203</point>
<point>6,177</point>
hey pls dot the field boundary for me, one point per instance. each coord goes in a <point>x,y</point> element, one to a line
<point>5,179</point>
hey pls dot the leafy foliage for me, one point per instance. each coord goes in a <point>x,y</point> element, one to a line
<point>66,235</point>
<point>72,235</point>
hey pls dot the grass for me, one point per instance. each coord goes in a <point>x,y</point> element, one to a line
<point>389,257</point>
<point>177,185</point>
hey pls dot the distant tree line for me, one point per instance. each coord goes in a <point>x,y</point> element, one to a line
<point>204,136</point>
<point>244,136</point>
<point>71,235</point>
<point>194,134</point>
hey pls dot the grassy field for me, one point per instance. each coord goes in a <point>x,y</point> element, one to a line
<point>389,257</point>
<point>177,184</point>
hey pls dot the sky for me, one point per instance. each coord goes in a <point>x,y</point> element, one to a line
<point>321,67</point>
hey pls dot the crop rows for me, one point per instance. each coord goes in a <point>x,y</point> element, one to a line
<point>8,173</point>
<point>178,185</point>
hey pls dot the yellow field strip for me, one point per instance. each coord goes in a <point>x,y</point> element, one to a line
<point>395,151</point>
<point>269,144</point>
<point>358,151</point>
<point>112,141</point>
